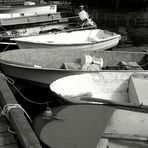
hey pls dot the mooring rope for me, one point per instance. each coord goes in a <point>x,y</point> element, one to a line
<point>11,81</point>
<point>6,110</point>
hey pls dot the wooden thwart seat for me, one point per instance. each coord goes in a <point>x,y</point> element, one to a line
<point>138,89</point>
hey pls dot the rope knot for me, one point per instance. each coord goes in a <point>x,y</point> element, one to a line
<point>8,107</point>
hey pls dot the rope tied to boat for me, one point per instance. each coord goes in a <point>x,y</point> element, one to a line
<point>8,107</point>
<point>11,81</point>
<point>8,79</point>
<point>6,110</point>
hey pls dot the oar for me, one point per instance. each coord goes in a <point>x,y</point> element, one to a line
<point>125,137</point>
<point>8,43</point>
<point>129,106</point>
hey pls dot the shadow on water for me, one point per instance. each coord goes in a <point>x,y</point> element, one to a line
<point>35,99</point>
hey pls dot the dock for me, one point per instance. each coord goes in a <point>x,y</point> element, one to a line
<point>15,129</point>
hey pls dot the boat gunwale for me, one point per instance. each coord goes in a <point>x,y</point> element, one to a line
<point>5,60</point>
<point>69,44</point>
<point>67,70</point>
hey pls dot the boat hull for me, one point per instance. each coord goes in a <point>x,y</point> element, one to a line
<point>20,64</point>
<point>94,39</point>
<point>80,122</point>
<point>121,122</point>
<point>35,76</point>
<point>91,46</point>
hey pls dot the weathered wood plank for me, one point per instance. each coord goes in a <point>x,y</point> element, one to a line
<point>15,145</point>
<point>138,89</point>
<point>2,118</point>
<point>3,126</point>
<point>19,122</point>
<point>104,143</point>
<point>7,139</point>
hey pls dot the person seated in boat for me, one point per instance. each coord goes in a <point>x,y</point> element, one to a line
<point>86,21</point>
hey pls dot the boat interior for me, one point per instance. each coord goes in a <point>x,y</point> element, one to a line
<point>73,59</point>
<point>76,37</point>
<point>116,86</point>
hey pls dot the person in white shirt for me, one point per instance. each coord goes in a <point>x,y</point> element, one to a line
<point>84,17</point>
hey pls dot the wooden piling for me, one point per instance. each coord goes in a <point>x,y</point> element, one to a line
<point>17,118</point>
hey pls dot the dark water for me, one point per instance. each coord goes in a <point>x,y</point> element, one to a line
<point>132,24</point>
<point>35,99</point>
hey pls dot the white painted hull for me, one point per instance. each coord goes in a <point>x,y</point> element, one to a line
<point>95,39</point>
<point>104,85</point>
<point>92,46</point>
<point>114,86</point>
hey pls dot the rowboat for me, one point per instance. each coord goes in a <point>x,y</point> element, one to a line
<point>125,91</point>
<point>73,126</point>
<point>45,66</point>
<point>112,86</point>
<point>95,39</point>
<point>69,127</point>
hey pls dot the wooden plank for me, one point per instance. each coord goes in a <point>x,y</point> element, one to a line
<point>125,137</point>
<point>15,145</point>
<point>103,143</point>
<point>125,106</point>
<point>7,139</point>
<point>19,122</point>
<point>3,122</point>
<point>2,118</point>
<point>3,126</point>
<point>138,89</point>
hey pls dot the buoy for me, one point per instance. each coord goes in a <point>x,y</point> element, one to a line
<point>47,114</point>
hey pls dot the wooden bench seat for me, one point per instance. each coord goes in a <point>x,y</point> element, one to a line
<point>138,89</point>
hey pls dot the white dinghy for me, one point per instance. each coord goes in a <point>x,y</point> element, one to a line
<point>95,39</point>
